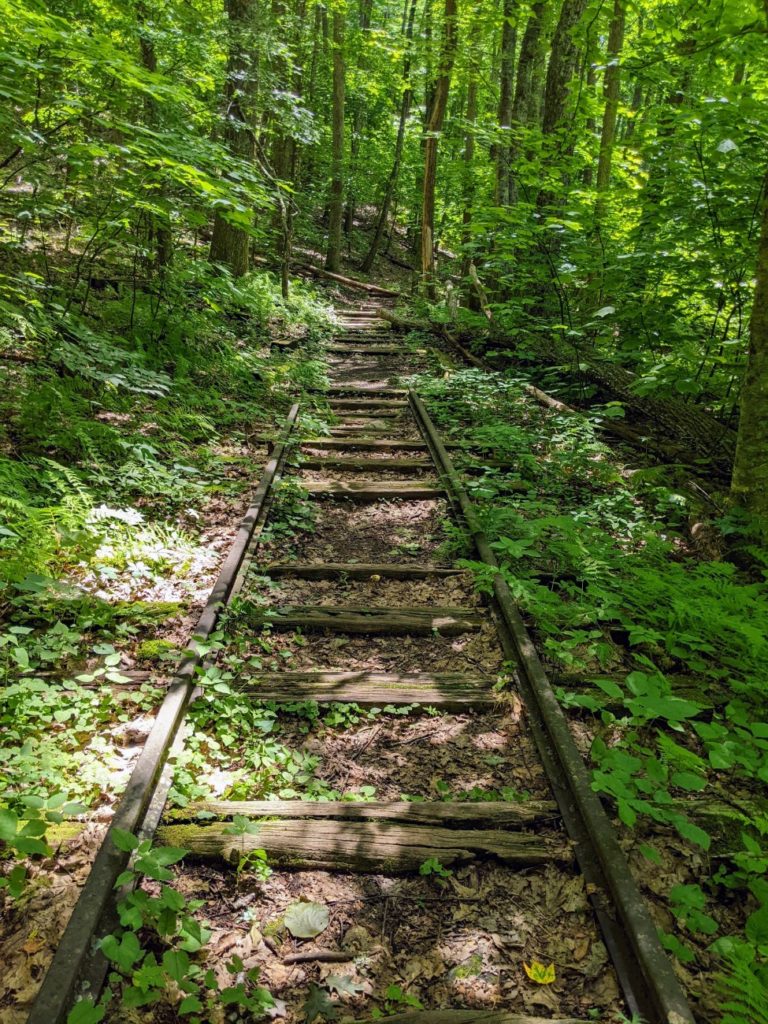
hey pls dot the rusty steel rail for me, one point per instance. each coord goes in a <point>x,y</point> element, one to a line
<point>645,973</point>
<point>78,968</point>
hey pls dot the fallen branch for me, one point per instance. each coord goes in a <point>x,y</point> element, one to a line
<point>322,956</point>
<point>621,430</point>
<point>348,282</point>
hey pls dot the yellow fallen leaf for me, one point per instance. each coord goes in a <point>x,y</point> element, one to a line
<point>540,973</point>
<point>33,945</point>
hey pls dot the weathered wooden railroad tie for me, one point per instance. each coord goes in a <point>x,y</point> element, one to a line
<point>379,837</point>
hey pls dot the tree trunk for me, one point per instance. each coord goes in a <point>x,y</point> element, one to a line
<point>588,174</point>
<point>358,121</point>
<point>229,244</point>
<point>749,485</point>
<point>405,109</point>
<point>562,65</point>
<point>434,127</point>
<point>469,172</point>
<point>611,86</point>
<point>523,103</point>
<point>336,204</point>
<point>159,229</point>
<point>508,40</point>
<point>643,235</point>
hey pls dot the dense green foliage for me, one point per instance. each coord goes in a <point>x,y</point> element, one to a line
<point>573,187</point>
<point>665,649</point>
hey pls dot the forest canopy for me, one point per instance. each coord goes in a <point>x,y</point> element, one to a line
<point>591,172</point>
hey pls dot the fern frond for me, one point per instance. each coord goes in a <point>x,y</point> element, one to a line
<point>745,994</point>
<point>677,757</point>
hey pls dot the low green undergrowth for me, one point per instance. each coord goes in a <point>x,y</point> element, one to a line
<point>665,648</point>
<point>119,425</point>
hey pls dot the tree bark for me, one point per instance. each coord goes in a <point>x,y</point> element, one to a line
<point>336,204</point>
<point>434,127</point>
<point>508,41</point>
<point>749,484</point>
<point>588,174</point>
<point>394,174</point>
<point>229,244</point>
<point>562,65</point>
<point>611,86</point>
<point>523,103</point>
<point>358,121</point>
<point>469,173</point>
<point>159,228</point>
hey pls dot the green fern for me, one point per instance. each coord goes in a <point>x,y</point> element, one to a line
<point>679,758</point>
<point>745,994</point>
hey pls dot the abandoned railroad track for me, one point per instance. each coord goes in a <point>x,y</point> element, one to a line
<point>375,619</point>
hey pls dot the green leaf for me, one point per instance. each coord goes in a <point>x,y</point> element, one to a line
<point>688,780</point>
<point>125,841</point>
<point>84,1012</point>
<point>124,953</point>
<point>8,823</point>
<point>191,1004</point>
<point>318,1004</point>
<point>30,846</point>
<point>166,855</point>
<point>757,926</point>
<point>693,833</point>
<point>306,920</point>
<point>176,963</point>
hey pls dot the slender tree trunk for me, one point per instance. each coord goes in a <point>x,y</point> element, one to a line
<point>750,473</point>
<point>611,87</point>
<point>523,103</point>
<point>336,203</point>
<point>506,83</point>
<point>469,173</point>
<point>590,126</point>
<point>650,201</point>
<point>434,127</point>
<point>562,65</point>
<point>405,110</point>
<point>358,121</point>
<point>160,230</point>
<point>229,244</point>
<point>563,62</point>
<point>308,169</point>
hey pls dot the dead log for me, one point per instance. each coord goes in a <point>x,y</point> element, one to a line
<point>364,846</point>
<point>692,429</point>
<point>441,814</point>
<point>347,282</point>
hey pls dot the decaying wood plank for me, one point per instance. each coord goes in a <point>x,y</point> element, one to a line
<point>374,350</point>
<point>370,443</point>
<point>372,490</point>
<point>371,428</point>
<point>367,403</point>
<point>468,1017</point>
<point>356,570</point>
<point>451,813</point>
<point>364,389</point>
<point>363,465</point>
<point>364,846</point>
<point>459,692</point>
<point>395,621</point>
<point>368,413</point>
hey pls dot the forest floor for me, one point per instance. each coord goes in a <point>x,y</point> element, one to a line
<point>656,645</point>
